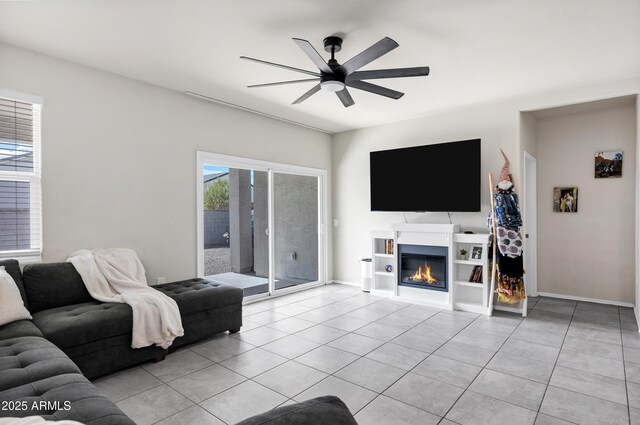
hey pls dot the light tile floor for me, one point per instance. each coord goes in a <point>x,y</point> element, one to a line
<point>568,362</point>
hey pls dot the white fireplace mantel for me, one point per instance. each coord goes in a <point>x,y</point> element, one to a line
<point>429,235</point>
<point>424,234</point>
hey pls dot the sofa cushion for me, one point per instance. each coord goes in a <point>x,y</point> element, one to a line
<point>80,324</point>
<point>11,305</point>
<point>19,328</point>
<point>13,268</point>
<point>197,295</point>
<point>65,397</point>
<point>321,410</point>
<point>31,358</point>
<point>53,285</point>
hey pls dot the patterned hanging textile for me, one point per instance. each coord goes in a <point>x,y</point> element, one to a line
<point>509,259</point>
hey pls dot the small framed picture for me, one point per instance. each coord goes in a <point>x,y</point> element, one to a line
<point>608,164</point>
<point>565,199</point>
<point>476,252</point>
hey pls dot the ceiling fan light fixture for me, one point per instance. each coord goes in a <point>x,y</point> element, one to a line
<point>334,77</point>
<point>332,85</point>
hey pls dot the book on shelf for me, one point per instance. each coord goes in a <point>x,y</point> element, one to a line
<point>388,246</point>
<point>473,272</point>
<point>476,274</point>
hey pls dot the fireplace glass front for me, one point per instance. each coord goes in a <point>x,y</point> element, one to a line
<point>423,267</point>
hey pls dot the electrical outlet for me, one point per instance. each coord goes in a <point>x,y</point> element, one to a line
<point>335,222</point>
<point>161,280</point>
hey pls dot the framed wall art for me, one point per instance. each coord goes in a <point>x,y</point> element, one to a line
<point>608,164</point>
<point>565,199</point>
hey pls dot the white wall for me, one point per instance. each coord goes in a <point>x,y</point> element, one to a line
<point>498,125</point>
<point>590,253</point>
<point>637,303</point>
<point>119,158</point>
<point>528,133</point>
<point>351,174</point>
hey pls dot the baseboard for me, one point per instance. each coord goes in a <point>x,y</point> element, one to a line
<point>344,282</point>
<point>585,299</point>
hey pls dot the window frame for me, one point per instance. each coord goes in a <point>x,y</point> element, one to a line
<point>34,178</point>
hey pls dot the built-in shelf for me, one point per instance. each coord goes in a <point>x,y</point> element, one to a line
<point>470,284</point>
<point>465,298</point>
<point>382,247</point>
<point>469,262</point>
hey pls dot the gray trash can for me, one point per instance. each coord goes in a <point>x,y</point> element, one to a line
<point>366,274</point>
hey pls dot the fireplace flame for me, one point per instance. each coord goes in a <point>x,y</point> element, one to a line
<point>423,276</point>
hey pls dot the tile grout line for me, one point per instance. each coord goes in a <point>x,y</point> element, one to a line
<point>287,360</point>
<point>477,319</point>
<point>555,364</point>
<point>360,356</point>
<point>624,369</point>
<point>266,325</point>
<point>411,370</point>
<point>166,383</point>
<point>194,404</point>
<point>483,368</point>
<point>140,392</point>
<point>316,308</point>
<point>364,355</point>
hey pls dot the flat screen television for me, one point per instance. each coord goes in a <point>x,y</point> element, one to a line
<point>441,177</point>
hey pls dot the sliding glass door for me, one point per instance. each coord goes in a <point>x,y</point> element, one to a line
<point>235,218</point>
<point>259,224</point>
<point>295,229</point>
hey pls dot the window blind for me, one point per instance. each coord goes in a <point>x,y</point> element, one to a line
<point>20,205</point>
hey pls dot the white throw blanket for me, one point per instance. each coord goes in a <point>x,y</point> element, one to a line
<point>117,275</point>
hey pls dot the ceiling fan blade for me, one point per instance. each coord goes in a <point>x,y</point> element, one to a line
<point>345,97</point>
<point>313,54</point>
<point>382,47</point>
<point>375,89</point>
<point>290,68</point>
<point>281,83</point>
<point>389,73</point>
<point>307,95</point>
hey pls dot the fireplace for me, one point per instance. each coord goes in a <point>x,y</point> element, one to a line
<point>421,266</point>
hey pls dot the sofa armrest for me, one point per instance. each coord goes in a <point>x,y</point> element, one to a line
<point>321,411</point>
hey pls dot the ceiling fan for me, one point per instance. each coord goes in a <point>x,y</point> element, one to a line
<point>334,77</point>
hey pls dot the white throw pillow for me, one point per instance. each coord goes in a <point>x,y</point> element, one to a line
<point>11,305</point>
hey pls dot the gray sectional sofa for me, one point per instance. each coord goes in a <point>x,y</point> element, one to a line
<point>325,410</point>
<point>97,336</point>
<point>45,363</point>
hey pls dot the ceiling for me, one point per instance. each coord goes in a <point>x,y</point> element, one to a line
<point>479,51</point>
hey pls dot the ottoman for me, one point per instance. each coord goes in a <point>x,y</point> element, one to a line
<point>207,308</point>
